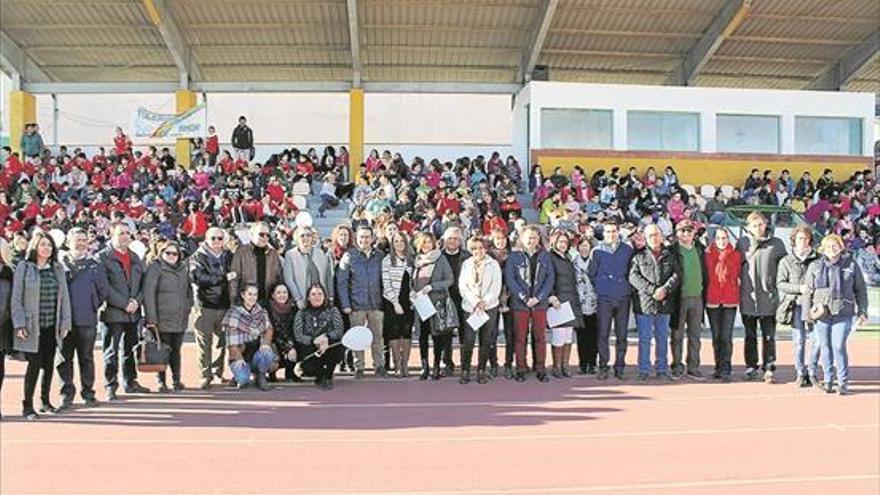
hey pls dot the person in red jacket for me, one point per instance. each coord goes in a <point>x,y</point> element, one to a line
<point>195,225</point>
<point>212,145</point>
<point>723,263</point>
<point>121,142</point>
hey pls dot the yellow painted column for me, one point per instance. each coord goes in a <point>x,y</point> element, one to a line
<point>22,110</point>
<point>355,131</point>
<point>186,99</point>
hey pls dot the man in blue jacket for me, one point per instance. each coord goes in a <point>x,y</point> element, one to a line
<point>608,270</point>
<point>359,288</point>
<point>88,288</point>
<point>530,278</point>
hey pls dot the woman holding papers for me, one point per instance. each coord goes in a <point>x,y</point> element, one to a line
<point>432,277</point>
<point>480,287</point>
<point>564,293</point>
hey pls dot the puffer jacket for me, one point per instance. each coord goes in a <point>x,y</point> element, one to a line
<point>120,288</point>
<point>758,295</point>
<point>609,271</point>
<point>789,278</point>
<point>516,275</point>
<point>565,286</point>
<point>648,273</point>
<point>208,274</point>
<point>840,286</point>
<point>88,288</point>
<point>168,296</point>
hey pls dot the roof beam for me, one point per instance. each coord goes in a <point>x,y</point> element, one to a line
<point>354,37</point>
<point>161,17</point>
<point>729,18</point>
<point>268,87</point>
<point>18,64</point>
<point>536,40</point>
<point>845,69</point>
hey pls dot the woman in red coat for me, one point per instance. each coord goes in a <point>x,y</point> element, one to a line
<point>723,262</point>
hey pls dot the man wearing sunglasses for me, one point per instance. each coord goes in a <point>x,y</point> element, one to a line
<point>257,263</point>
<point>211,274</point>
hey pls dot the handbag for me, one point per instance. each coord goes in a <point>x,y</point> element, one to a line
<point>151,354</point>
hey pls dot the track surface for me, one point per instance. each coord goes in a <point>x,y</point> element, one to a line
<point>576,435</point>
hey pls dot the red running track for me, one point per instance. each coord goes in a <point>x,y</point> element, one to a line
<point>576,435</point>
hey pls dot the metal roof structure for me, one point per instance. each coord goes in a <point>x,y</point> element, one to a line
<point>106,46</point>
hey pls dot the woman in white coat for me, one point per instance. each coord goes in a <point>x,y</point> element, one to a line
<point>480,288</point>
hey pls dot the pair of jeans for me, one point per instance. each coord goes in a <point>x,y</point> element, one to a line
<point>327,201</point>
<point>506,319</point>
<point>80,340</point>
<point>536,321</point>
<point>614,311</point>
<point>174,341</point>
<point>799,337</point>
<point>690,322</point>
<point>721,321</point>
<point>254,360</point>
<point>832,332</point>
<point>114,336</point>
<point>768,335</point>
<point>657,327</point>
<point>44,360</point>
<point>208,325</point>
<point>488,333</point>
<point>588,341</point>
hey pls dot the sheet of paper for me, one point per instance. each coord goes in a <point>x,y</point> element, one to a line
<point>424,307</point>
<point>559,317</point>
<point>477,319</point>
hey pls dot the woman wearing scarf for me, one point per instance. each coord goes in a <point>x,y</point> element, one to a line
<point>790,283</point>
<point>565,290</point>
<point>836,292</point>
<point>168,300</point>
<point>588,333</point>
<point>249,337</point>
<point>343,240</point>
<point>480,286</point>
<point>398,310</point>
<point>433,276</point>
<point>723,264</point>
<point>281,314</point>
<point>316,328</point>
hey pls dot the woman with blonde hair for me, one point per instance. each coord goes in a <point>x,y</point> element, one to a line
<point>836,293</point>
<point>432,276</point>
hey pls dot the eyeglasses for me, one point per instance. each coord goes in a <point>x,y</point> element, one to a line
<point>217,238</point>
<point>263,234</point>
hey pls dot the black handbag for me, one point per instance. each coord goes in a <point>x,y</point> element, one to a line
<point>151,354</point>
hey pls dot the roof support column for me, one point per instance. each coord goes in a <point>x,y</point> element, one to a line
<point>355,132</point>
<point>185,99</point>
<point>22,111</point>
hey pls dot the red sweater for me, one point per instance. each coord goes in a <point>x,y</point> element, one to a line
<point>728,263</point>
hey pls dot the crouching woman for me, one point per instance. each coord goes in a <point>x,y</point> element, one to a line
<point>249,338</point>
<point>316,328</point>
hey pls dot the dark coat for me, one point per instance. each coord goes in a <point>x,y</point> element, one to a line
<point>849,299</point>
<point>516,276</point>
<point>758,297</point>
<point>359,280</point>
<point>5,314</point>
<point>565,285</point>
<point>648,273</point>
<point>609,271</point>
<point>121,289</point>
<point>242,138</point>
<point>25,305</point>
<point>87,284</point>
<point>208,274</point>
<point>168,296</point>
<point>441,280</point>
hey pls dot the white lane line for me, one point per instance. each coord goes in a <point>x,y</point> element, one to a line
<point>437,439</point>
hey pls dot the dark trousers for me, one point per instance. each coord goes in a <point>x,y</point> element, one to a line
<point>322,367</point>
<point>80,340</point>
<point>442,343</point>
<point>116,334</point>
<point>768,347</point>
<point>521,323</point>
<point>721,323</point>
<point>690,323</point>
<point>588,341</point>
<point>616,312</point>
<point>174,341</point>
<point>43,359</point>
<point>488,334</point>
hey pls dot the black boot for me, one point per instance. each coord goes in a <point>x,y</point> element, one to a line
<point>27,410</point>
<point>426,370</point>
<point>465,376</point>
<point>437,372</point>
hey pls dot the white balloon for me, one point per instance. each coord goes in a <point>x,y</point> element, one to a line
<point>303,219</point>
<point>358,338</point>
<point>138,248</point>
<point>58,236</point>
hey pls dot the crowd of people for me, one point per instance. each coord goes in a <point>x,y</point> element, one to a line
<point>128,243</point>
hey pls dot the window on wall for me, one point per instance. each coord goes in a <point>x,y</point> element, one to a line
<point>827,136</point>
<point>663,131</point>
<point>575,128</point>
<point>747,133</point>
